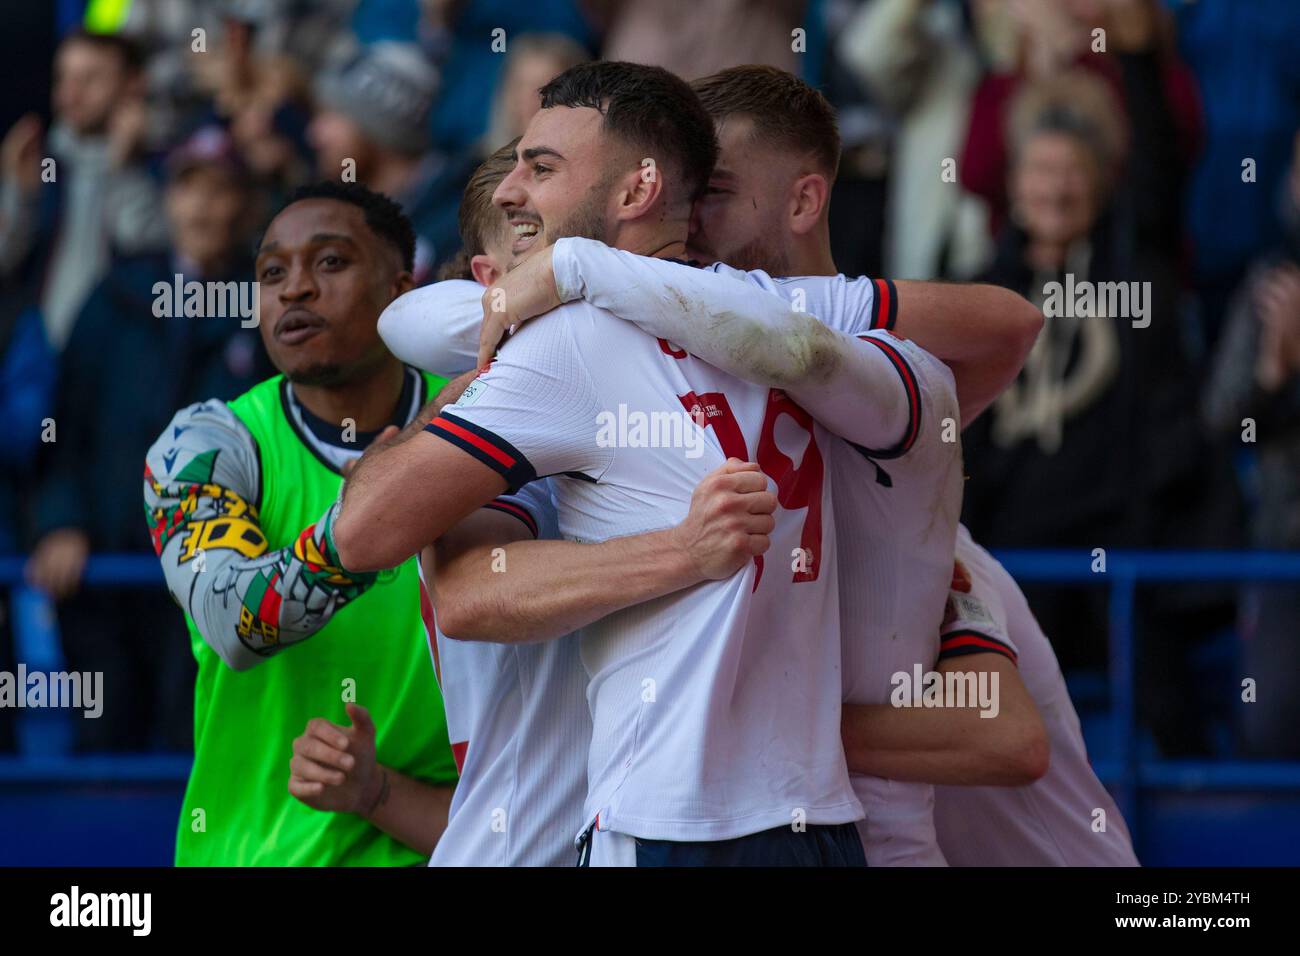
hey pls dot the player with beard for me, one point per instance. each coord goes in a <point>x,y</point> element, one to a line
<point>504,594</point>
<point>237,498</point>
<point>898,505</point>
<point>690,782</point>
<point>766,207</point>
<point>1049,819</point>
<point>489,626</point>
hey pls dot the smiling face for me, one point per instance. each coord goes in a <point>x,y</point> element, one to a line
<point>742,217</point>
<point>1055,188</point>
<point>560,185</point>
<point>324,277</point>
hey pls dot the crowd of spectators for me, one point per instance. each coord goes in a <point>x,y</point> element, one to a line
<point>1020,142</point>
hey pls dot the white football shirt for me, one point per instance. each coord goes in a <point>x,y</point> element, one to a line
<point>908,561</point>
<point>897,508</point>
<point>520,730</point>
<point>1055,821</point>
<point>898,513</point>
<point>435,327</point>
<point>898,519</point>
<point>710,712</point>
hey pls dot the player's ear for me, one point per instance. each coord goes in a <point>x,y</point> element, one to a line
<point>808,198</point>
<point>403,282</point>
<point>640,190</point>
<point>484,269</point>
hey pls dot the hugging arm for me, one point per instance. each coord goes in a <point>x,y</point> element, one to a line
<point>734,325</point>
<point>494,581</point>
<point>951,745</point>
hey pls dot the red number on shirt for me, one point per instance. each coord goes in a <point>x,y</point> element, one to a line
<point>712,410</point>
<point>671,350</point>
<point>799,487</point>
<point>796,488</point>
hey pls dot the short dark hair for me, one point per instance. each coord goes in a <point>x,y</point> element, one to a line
<point>478,216</point>
<point>384,217</point>
<point>128,52</point>
<point>646,107</point>
<point>784,109</point>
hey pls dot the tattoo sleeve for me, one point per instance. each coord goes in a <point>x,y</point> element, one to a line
<point>201,486</point>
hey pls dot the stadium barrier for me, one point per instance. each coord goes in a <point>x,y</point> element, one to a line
<point>1190,812</point>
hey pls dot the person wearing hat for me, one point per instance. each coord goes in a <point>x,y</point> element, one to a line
<point>371,126</point>
<point>131,358</point>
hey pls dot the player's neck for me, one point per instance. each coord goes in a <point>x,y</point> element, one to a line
<point>370,401</point>
<point>811,254</point>
<point>659,240</point>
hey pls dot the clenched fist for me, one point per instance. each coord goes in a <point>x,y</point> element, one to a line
<point>730,519</point>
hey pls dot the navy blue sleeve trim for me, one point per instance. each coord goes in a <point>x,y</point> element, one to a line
<point>491,449</point>
<point>965,641</point>
<point>913,402</point>
<point>884,304</point>
<point>515,510</point>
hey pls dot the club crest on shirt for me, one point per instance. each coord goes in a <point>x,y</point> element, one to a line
<point>964,607</point>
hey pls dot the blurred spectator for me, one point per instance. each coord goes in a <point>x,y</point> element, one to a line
<point>1255,385</point>
<point>1038,39</point>
<point>683,35</point>
<point>373,119</point>
<point>251,56</point>
<point>236,75</point>
<point>476,37</point>
<point>533,61</point>
<point>918,59</point>
<point>125,368</point>
<point>310,33</point>
<point>26,363</point>
<point>262,98</point>
<point>857,211</point>
<point>58,229</point>
<point>1097,444</point>
<point>1244,56</point>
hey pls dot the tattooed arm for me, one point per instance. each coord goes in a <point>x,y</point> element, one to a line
<point>202,482</point>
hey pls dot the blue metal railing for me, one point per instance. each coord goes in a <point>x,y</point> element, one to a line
<point>102,570</point>
<point>1123,571</point>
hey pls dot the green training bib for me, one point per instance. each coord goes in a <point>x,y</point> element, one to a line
<point>237,809</point>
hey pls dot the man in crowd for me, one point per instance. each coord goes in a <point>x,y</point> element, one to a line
<point>137,351</point>
<point>60,222</point>
<point>373,123</point>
